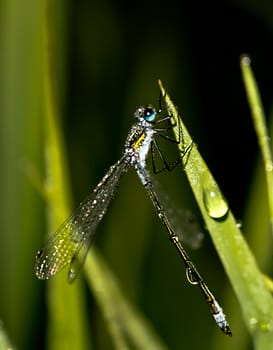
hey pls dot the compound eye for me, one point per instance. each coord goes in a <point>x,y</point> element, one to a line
<point>149,114</point>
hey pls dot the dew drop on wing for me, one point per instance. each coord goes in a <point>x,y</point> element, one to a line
<point>39,265</point>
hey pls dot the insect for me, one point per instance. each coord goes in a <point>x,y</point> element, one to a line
<point>71,242</point>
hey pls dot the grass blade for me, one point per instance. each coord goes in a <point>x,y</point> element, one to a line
<point>259,120</point>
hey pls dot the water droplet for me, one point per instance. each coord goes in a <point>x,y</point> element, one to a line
<point>245,60</point>
<point>239,224</point>
<point>71,275</point>
<point>269,167</point>
<point>265,326</point>
<point>253,322</point>
<point>215,204</point>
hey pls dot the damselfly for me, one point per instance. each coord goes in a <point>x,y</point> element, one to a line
<point>70,243</point>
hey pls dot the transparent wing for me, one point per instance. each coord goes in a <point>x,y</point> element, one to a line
<point>182,220</point>
<point>71,241</point>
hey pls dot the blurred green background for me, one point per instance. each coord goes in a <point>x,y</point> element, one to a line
<point>105,59</point>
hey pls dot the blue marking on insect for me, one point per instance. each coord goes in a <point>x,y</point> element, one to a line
<point>149,114</point>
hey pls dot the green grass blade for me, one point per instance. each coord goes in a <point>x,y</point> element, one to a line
<point>21,115</point>
<point>240,264</point>
<point>68,325</point>
<point>67,315</point>
<point>259,121</point>
<point>122,319</point>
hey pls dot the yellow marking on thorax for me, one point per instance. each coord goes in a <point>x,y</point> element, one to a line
<point>138,142</point>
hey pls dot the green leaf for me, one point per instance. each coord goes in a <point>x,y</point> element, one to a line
<point>123,320</point>
<point>21,116</point>
<point>67,314</point>
<point>259,121</point>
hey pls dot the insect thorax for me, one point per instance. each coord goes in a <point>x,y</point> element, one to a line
<point>138,142</point>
